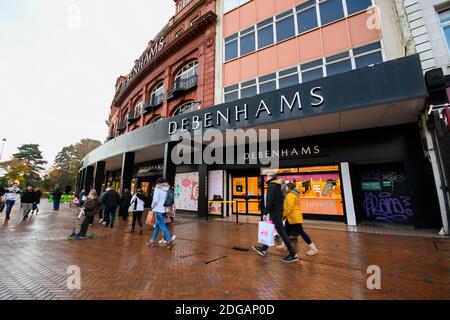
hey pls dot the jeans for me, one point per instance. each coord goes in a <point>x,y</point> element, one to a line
<point>26,208</point>
<point>56,204</point>
<point>278,222</point>
<point>160,225</point>
<point>109,215</point>
<point>9,205</point>
<point>35,207</point>
<point>137,216</point>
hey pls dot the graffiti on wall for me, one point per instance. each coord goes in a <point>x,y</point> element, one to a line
<point>386,207</point>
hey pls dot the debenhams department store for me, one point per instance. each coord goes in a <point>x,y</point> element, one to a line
<point>350,142</point>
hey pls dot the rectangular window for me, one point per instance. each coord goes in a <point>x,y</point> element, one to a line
<point>354,6</point>
<point>288,78</point>
<point>285,26</point>
<point>331,10</point>
<point>307,19</point>
<point>248,92</point>
<point>247,41</point>
<point>231,47</point>
<point>367,48</point>
<point>444,17</point>
<point>368,59</point>
<point>339,67</point>
<point>312,75</point>
<point>231,96</point>
<point>265,33</point>
<point>267,83</point>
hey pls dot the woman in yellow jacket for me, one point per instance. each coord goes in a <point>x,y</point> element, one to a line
<point>292,212</point>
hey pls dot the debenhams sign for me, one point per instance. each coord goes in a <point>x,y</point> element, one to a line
<point>243,112</point>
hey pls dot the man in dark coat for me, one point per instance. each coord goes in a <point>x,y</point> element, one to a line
<point>274,208</point>
<point>125,202</point>
<point>57,194</point>
<point>2,202</point>
<point>27,200</point>
<point>111,201</point>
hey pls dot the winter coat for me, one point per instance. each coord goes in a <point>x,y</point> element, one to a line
<point>38,196</point>
<point>91,207</point>
<point>292,207</point>
<point>125,201</point>
<point>111,199</point>
<point>28,197</point>
<point>159,197</point>
<point>2,190</point>
<point>274,198</point>
<point>139,202</point>
<point>12,193</point>
<point>57,194</point>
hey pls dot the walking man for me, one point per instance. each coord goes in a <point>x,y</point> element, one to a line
<point>274,209</point>
<point>11,196</point>
<point>111,201</point>
<point>57,194</point>
<point>28,199</point>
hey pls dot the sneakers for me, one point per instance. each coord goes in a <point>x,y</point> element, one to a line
<point>259,251</point>
<point>290,258</point>
<point>162,242</point>
<point>312,250</point>
<point>151,243</point>
<point>170,243</point>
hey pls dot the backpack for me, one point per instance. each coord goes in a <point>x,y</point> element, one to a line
<point>170,198</point>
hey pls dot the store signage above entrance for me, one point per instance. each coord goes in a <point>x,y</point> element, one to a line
<point>273,105</point>
<point>306,151</point>
<point>149,55</point>
<point>150,168</point>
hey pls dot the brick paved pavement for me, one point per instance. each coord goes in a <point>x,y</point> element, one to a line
<point>34,257</point>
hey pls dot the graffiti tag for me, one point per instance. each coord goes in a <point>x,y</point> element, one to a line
<point>386,207</point>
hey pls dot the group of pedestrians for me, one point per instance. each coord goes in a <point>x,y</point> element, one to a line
<point>161,204</point>
<point>283,202</point>
<point>29,200</point>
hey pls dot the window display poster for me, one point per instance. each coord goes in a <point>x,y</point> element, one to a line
<point>186,191</point>
<point>215,191</point>
<point>215,184</point>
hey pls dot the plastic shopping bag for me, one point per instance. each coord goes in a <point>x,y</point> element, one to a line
<point>150,218</point>
<point>275,232</point>
<point>266,233</point>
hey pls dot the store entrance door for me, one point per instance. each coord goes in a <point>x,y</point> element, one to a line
<point>246,195</point>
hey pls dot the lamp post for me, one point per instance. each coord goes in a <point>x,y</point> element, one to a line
<point>1,151</point>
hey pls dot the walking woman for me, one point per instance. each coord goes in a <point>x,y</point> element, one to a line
<point>159,208</point>
<point>294,218</point>
<point>138,201</point>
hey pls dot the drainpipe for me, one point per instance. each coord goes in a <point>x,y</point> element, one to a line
<point>438,174</point>
<point>403,24</point>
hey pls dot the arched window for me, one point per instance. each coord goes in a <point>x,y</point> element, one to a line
<point>138,108</point>
<point>186,107</point>
<point>157,95</point>
<point>188,71</point>
<point>156,119</point>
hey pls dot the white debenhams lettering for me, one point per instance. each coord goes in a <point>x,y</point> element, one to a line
<point>208,120</point>
<point>184,124</point>
<point>317,96</point>
<point>262,107</point>
<point>186,310</point>
<point>221,115</point>
<point>173,126</point>
<point>292,104</point>
<point>239,111</point>
<point>195,122</point>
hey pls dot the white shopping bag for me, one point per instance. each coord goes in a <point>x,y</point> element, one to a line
<point>266,233</point>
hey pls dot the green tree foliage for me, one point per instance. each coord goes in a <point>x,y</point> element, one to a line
<point>68,162</point>
<point>25,165</point>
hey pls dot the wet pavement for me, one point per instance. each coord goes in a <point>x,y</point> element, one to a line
<point>211,260</point>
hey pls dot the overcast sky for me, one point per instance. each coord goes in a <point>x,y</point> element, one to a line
<point>59,60</point>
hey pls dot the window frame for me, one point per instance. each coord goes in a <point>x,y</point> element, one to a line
<point>444,25</point>
<point>185,70</point>
<point>158,86</point>
<point>176,111</point>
